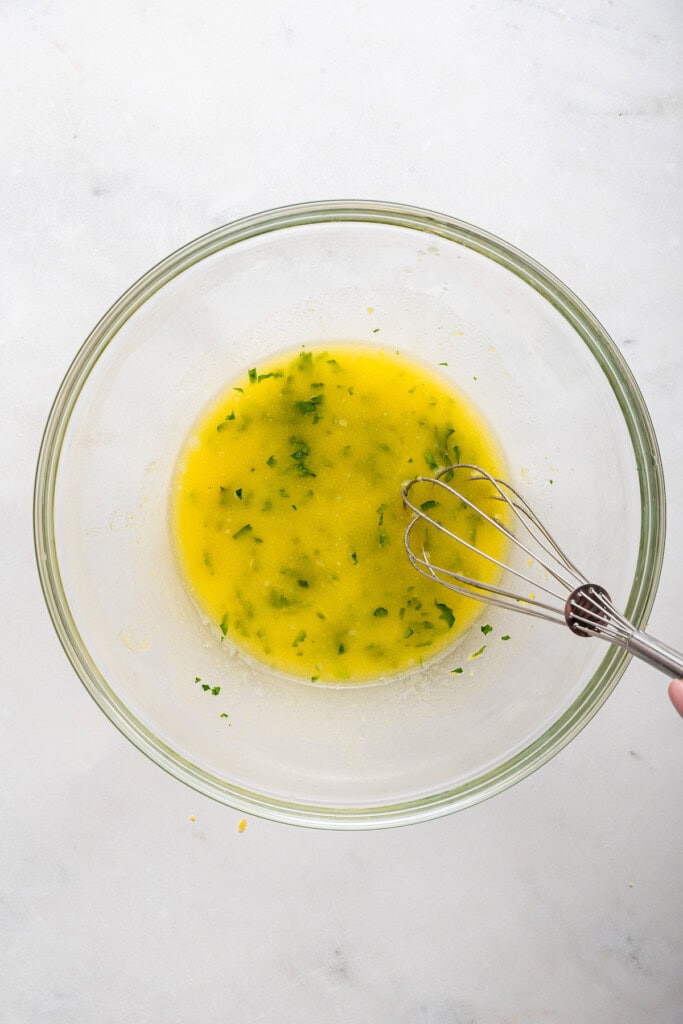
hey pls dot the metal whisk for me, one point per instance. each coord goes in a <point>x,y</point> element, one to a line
<point>567,596</point>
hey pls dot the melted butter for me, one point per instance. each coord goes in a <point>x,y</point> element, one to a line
<point>288,520</point>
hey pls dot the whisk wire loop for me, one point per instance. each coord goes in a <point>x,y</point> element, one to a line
<point>585,607</point>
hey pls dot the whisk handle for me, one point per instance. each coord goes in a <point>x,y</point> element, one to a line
<point>655,653</point>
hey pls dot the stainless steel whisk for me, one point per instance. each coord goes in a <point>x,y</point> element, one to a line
<point>568,597</point>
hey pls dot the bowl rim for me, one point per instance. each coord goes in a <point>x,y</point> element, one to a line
<point>619,377</point>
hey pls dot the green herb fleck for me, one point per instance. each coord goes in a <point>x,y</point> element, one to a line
<point>205,687</point>
<point>215,690</point>
<point>224,624</point>
<point>375,330</point>
<point>310,406</point>
<point>430,460</point>
<point>445,613</point>
<point>241,390</point>
<point>456,671</point>
<point>303,470</point>
<point>426,505</point>
<point>382,535</point>
<point>506,637</point>
<point>380,613</point>
<point>486,629</point>
<point>301,451</point>
<point>252,376</point>
<point>242,530</point>
<point>271,461</point>
<point>224,715</point>
<point>408,632</point>
<point>443,364</point>
<point>549,481</point>
<point>302,583</point>
<point>238,492</point>
<point>480,651</point>
<point>265,376</point>
<point>299,638</point>
<point>341,649</point>
<point>197,679</point>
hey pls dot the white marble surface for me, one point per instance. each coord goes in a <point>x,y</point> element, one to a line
<point>128,129</point>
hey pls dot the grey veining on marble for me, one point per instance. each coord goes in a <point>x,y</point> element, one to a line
<point>130,128</point>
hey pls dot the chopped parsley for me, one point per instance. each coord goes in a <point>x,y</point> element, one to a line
<point>301,451</point>
<point>382,535</point>
<point>456,671</point>
<point>431,461</point>
<point>380,613</point>
<point>299,638</point>
<point>445,613</point>
<point>310,406</point>
<point>486,629</point>
<point>224,624</point>
<point>242,531</point>
<point>506,637</point>
<point>479,652</point>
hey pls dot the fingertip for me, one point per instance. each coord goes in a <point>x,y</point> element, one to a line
<point>676,694</point>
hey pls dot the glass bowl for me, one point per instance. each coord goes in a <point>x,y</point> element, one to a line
<point>537,364</point>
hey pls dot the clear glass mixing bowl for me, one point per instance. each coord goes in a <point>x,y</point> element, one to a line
<point>539,366</point>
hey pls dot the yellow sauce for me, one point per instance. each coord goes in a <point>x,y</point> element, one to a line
<point>288,520</point>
